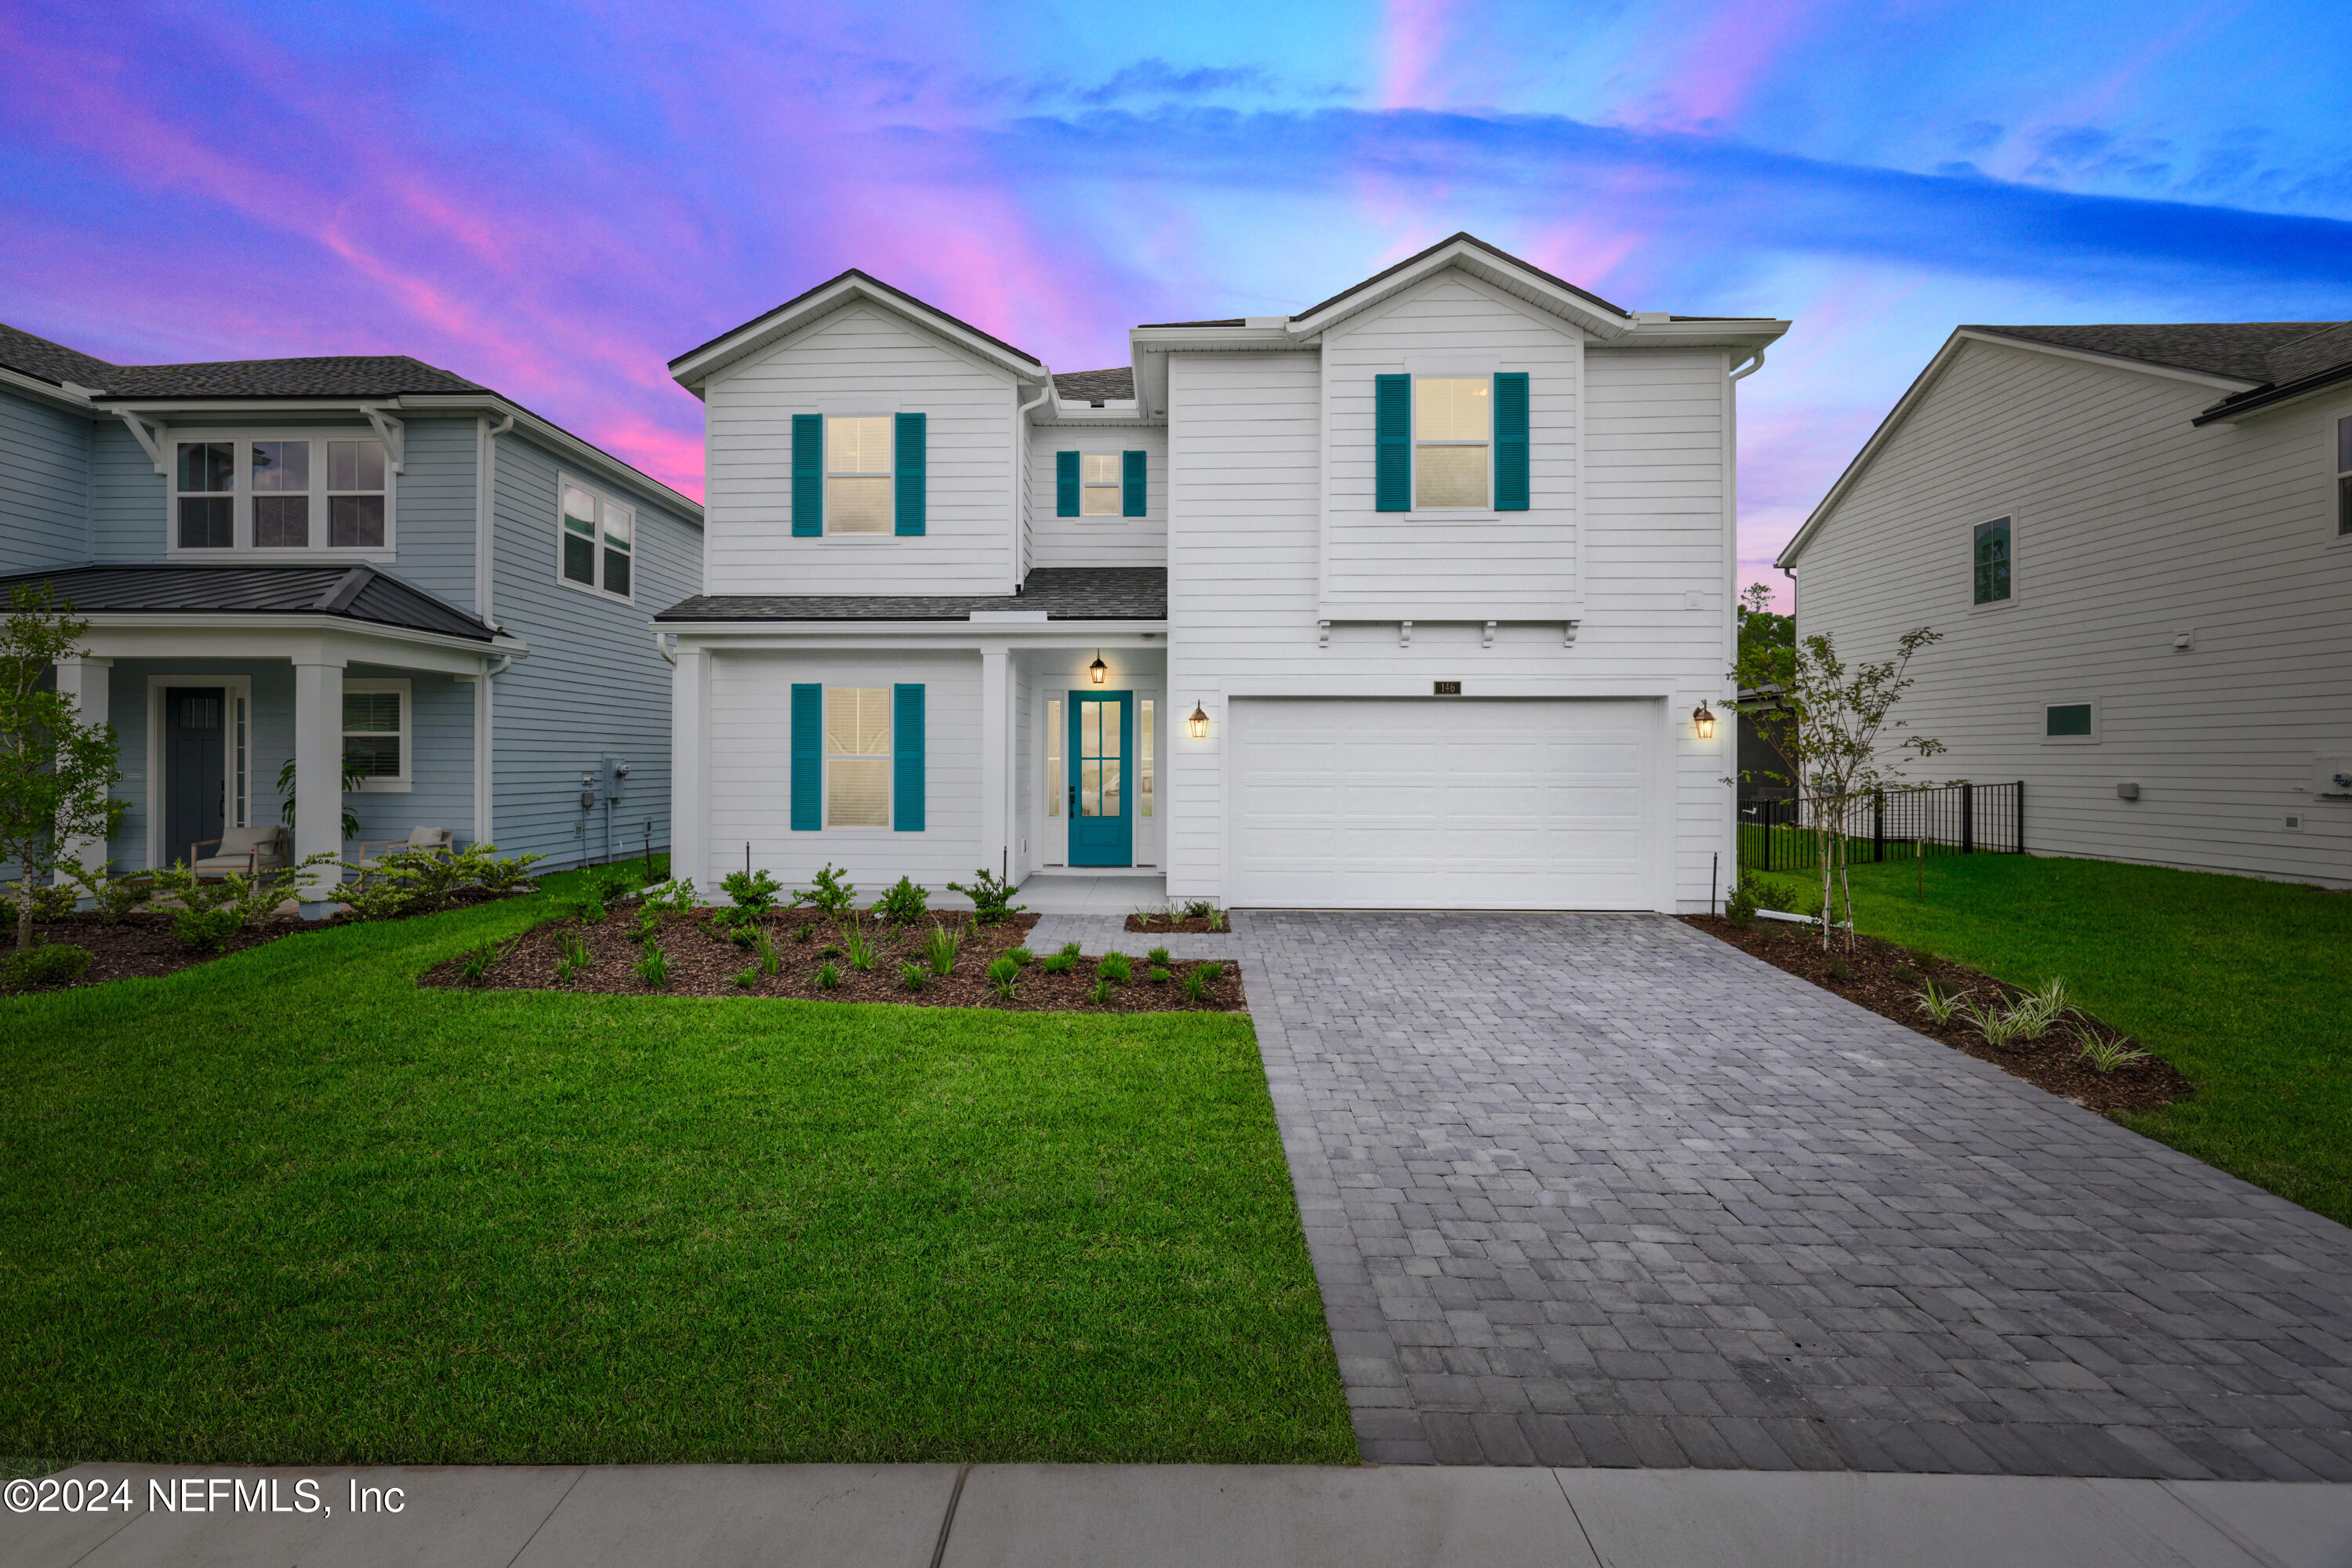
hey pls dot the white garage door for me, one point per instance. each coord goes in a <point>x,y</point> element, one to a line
<point>1445,803</point>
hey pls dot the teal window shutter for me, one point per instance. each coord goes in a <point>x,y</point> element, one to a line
<point>1066,484</point>
<point>911,475</point>
<point>906,758</point>
<point>1131,470</point>
<point>808,757</point>
<point>1511,441</point>
<point>1393,442</point>
<point>808,477</point>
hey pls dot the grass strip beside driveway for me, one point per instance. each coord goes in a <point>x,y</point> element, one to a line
<point>2242,985</point>
<point>288,1208</point>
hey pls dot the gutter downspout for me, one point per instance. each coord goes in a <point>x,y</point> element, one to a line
<point>1750,367</point>
<point>1021,480</point>
<point>486,449</point>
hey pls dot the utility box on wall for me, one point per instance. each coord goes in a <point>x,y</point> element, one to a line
<point>2332,777</point>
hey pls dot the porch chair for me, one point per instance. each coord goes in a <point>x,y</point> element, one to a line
<point>371,851</point>
<point>251,850</point>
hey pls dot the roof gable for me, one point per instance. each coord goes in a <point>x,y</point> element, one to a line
<point>694,367</point>
<point>1485,262</point>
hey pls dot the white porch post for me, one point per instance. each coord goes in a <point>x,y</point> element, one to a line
<point>995,757</point>
<point>83,681</point>
<point>484,830</point>
<point>318,774</point>
<point>689,764</point>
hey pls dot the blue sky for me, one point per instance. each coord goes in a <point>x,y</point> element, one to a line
<point>556,198</point>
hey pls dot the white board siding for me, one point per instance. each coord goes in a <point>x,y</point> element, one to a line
<point>1057,541</point>
<point>862,359</point>
<point>1244,525</point>
<point>2129,525</point>
<point>751,772</point>
<point>1440,803</point>
<point>1513,564</point>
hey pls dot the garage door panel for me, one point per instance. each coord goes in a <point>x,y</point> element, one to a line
<point>1443,804</point>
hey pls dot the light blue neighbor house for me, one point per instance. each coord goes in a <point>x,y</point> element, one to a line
<point>396,578</point>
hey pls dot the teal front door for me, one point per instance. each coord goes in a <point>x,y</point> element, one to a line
<point>1102,812</point>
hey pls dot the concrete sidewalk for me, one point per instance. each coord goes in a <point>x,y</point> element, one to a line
<point>1144,1516</point>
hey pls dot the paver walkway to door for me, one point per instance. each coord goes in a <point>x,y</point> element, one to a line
<point>1601,1190</point>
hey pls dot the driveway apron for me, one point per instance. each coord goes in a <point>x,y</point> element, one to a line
<point>1601,1190</point>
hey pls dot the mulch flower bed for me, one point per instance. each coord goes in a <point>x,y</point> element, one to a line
<point>141,946</point>
<point>1888,980</point>
<point>1162,925</point>
<point>704,961</point>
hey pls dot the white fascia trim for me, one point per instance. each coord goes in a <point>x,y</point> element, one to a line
<point>161,620</point>
<point>66,396</point>
<point>698,367</point>
<point>1598,320</point>
<point>1927,379</point>
<point>736,635</point>
<point>1750,336</point>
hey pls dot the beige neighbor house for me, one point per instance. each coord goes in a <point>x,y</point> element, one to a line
<point>1405,600</point>
<point>2138,542</point>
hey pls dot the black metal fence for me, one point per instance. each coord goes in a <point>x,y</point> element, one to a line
<point>1893,825</point>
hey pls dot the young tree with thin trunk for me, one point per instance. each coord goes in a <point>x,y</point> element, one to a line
<point>1831,727</point>
<point>56,773</point>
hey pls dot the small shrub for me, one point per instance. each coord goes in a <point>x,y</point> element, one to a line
<point>479,960</point>
<point>904,904</point>
<point>991,896</point>
<point>115,897</point>
<point>572,956</point>
<point>1200,910</point>
<point>1158,955</point>
<point>746,936</point>
<point>941,946</point>
<point>2037,1010</point>
<point>1056,964</point>
<point>828,977</point>
<point>1069,950</point>
<point>1210,974</point>
<point>913,976</point>
<point>1838,969</point>
<point>1158,974</point>
<point>804,931</point>
<point>1216,919</point>
<point>1001,974</point>
<point>752,890</point>
<point>1908,975</point>
<point>51,902</point>
<point>770,961</point>
<point>609,887</point>
<point>1102,994</point>
<point>648,926</point>
<point>746,978</point>
<point>1922,958</point>
<point>588,912</point>
<point>1115,966</point>
<point>859,949</point>
<point>207,930</point>
<point>828,950</point>
<point>1746,898</point>
<point>678,897</point>
<point>1997,1025</point>
<point>53,965</point>
<point>2105,1055</point>
<point>1938,1005</point>
<point>1021,955</point>
<point>828,893</point>
<point>1196,988</point>
<point>653,968</point>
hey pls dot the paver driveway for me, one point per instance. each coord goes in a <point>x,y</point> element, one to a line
<point>1600,1189</point>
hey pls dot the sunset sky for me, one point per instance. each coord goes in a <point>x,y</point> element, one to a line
<point>555,199</point>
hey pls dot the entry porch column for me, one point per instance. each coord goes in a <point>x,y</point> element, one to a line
<point>83,681</point>
<point>996,758</point>
<point>318,777</point>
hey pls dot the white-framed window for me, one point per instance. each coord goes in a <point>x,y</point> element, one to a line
<point>2073,722</point>
<point>1100,484</point>
<point>858,453</point>
<point>1145,783</point>
<point>280,493</point>
<point>857,756</point>
<point>376,721</point>
<point>1054,757</point>
<point>1454,440</point>
<point>2343,476</point>
<point>596,542</point>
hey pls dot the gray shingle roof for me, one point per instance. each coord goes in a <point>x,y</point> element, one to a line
<point>2242,351</point>
<point>357,593</point>
<point>1064,594</point>
<point>338,375</point>
<point>1114,384</point>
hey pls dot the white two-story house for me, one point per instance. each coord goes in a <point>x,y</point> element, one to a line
<point>1409,600</point>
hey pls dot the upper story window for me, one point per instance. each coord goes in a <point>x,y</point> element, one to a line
<point>287,492</point>
<point>1992,561</point>
<point>1102,479</point>
<point>1453,432</point>
<point>857,474</point>
<point>2343,475</point>
<point>597,541</point>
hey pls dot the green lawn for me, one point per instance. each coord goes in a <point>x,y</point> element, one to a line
<point>288,1208</point>
<point>2243,986</point>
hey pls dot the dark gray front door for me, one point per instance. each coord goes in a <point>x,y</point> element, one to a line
<point>196,768</point>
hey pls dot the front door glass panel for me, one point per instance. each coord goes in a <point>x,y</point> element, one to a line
<point>1102,726</point>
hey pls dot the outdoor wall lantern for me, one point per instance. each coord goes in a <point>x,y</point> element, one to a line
<point>1099,669</point>
<point>1703,720</point>
<point>1199,722</point>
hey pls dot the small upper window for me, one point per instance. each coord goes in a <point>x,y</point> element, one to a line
<point>1453,427</point>
<point>857,474</point>
<point>599,542</point>
<point>207,506</point>
<point>281,496</point>
<point>1100,475</point>
<point>857,756</point>
<point>1992,561</point>
<point>2343,475</point>
<point>355,494</point>
<point>2067,718</point>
